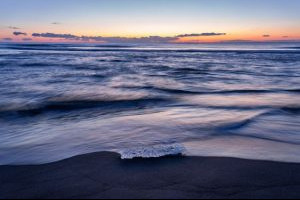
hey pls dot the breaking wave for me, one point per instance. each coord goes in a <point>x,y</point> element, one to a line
<point>153,151</point>
<point>79,104</point>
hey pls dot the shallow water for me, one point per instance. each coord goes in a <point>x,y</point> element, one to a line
<point>61,100</point>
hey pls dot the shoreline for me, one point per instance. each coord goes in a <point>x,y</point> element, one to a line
<point>105,175</point>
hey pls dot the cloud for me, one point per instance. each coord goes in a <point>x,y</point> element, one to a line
<point>285,36</point>
<point>27,39</point>
<point>266,35</point>
<point>7,39</point>
<point>13,27</point>
<point>200,34</point>
<point>53,35</point>
<point>149,39</point>
<point>19,33</point>
<point>56,23</point>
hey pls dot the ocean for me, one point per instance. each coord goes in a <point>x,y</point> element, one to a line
<point>223,100</point>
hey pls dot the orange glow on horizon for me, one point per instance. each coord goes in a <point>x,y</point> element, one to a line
<point>196,39</point>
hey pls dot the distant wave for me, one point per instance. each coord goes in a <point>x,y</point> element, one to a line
<point>241,91</point>
<point>114,46</point>
<point>293,110</point>
<point>134,49</point>
<point>153,151</point>
<point>271,108</point>
<point>76,104</point>
<point>249,91</point>
<point>292,47</point>
<point>68,45</point>
<point>38,64</point>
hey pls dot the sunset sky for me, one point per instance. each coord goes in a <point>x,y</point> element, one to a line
<point>170,20</point>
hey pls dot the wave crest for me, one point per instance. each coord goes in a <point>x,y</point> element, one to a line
<point>153,151</point>
<point>64,105</point>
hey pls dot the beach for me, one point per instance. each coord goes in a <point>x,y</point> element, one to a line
<point>160,99</point>
<point>105,175</point>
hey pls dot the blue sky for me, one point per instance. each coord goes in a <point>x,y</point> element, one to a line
<point>240,19</point>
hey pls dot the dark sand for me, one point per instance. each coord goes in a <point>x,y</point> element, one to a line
<point>105,175</point>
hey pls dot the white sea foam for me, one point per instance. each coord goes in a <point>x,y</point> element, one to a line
<point>152,151</point>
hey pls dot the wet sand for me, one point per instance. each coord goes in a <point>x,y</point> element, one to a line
<point>105,175</point>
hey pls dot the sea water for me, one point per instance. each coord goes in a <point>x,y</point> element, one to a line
<point>232,100</point>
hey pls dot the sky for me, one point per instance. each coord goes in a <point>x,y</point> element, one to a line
<point>141,20</point>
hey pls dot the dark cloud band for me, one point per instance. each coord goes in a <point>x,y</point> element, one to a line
<point>7,39</point>
<point>150,39</point>
<point>53,35</point>
<point>19,33</point>
<point>27,39</point>
<point>201,34</point>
